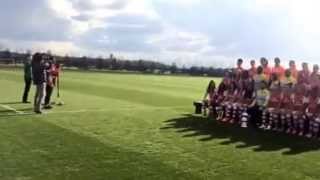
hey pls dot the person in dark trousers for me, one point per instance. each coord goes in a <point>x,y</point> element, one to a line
<point>39,80</point>
<point>259,105</point>
<point>27,79</point>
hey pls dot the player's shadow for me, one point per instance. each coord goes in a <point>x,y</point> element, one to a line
<point>10,113</point>
<point>11,103</point>
<point>20,109</point>
<point>197,126</point>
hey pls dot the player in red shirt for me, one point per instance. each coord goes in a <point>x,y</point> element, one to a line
<point>238,70</point>
<point>300,101</point>
<point>253,69</point>
<point>52,74</point>
<point>247,96</point>
<point>278,69</point>
<point>222,93</point>
<point>273,104</point>
<point>287,87</point>
<point>230,98</point>
<point>313,112</point>
<point>244,94</point>
<point>304,75</point>
<point>315,77</point>
<point>293,69</point>
<point>209,99</point>
<point>266,69</point>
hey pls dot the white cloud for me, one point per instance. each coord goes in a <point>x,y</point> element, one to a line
<point>186,31</point>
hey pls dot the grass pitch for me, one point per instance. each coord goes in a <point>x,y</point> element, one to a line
<point>124,126</point>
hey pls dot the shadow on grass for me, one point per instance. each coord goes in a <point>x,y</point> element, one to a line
<point>49,151</point>
<point>11,103</point>
<point>3,112</point>
<point>27,109</point>
<point>260,141</point>
<point>10,113</point>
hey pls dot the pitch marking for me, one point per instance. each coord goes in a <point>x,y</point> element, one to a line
<point>11,109</point>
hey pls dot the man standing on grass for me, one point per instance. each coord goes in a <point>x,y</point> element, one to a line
<point>39,80</point>
<point>27,79</point>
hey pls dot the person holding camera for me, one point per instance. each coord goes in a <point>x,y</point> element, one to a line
<point>39,80</point>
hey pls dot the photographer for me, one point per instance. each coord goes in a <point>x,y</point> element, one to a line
<point>39,80</point>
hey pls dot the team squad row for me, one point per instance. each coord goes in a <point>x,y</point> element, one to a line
<point>279,99</point>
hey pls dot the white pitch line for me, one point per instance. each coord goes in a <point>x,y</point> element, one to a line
<point>105,110</point>
<point>11,109</point>
<point>11,115</point>
<point>89,110</point>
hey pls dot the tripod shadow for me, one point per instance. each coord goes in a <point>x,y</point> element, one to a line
<point>261,141</point>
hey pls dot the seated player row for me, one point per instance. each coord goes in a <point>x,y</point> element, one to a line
<point>283,104</point>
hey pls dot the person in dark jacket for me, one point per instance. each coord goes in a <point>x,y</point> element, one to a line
<point>27,79</point>
<point>39,80</point>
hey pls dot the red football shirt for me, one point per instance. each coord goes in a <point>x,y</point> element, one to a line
<point>267,72</point>
<point>252,71</point>
<point>279,71</point>
<point>304,76</point>
<point>294,72</point>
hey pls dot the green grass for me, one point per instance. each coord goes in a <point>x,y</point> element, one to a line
<point>126,126</point>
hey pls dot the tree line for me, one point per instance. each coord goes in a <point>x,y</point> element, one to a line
<point>112,63</point>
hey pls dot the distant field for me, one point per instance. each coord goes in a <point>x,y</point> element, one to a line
<point>125,126</point>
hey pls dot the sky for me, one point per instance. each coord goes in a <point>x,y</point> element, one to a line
<point>186,32</point>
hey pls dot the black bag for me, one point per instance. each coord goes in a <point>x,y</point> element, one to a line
<point>198,107</point>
